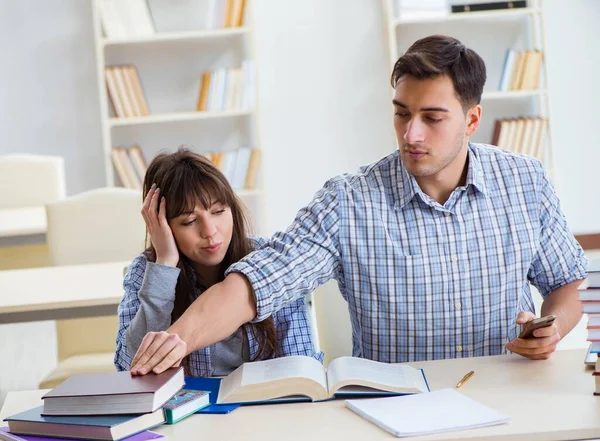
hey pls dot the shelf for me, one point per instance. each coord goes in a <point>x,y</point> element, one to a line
<point>176,117</point>
<point>463,16</point>
<point>179,36</point>
<point>512,94</point>
<point>247,193</point>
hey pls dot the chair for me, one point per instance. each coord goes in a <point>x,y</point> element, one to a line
<point>333,328</point>
<point>102,225</point>
<point>32,180</point>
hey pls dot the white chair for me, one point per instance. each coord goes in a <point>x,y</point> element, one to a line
<point>333,327</point>
<point>103,225</point>
<point>29,180</point>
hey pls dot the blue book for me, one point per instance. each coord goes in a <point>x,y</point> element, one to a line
<point>104,427</point>
<point>185,403</point>
<point>301,378</point>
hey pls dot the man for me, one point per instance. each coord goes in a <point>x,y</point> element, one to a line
<point>433,247</point>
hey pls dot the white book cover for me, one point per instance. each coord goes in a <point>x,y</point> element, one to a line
<point>215,14</point>
<point>241,168</point>
<point>139,17</point>
<point>111,21</point>
<point>228,166</point>
<point>440,411</point>
<point>509,65</point>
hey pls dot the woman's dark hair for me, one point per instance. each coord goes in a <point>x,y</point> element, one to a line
<point>186,179</point>
<point>438,55</point>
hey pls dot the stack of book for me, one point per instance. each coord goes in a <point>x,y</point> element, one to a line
<point>125,91</point>
<point>589,295</point>
<point>521,70</point>
<point>225,13</point>
<point>107,406</point>
<point>123,19</point>
<point>227,89</point>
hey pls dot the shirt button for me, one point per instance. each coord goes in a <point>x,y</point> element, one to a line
<point>447,214</point>
<point>457,305</point>
<point>459,348</point>
<point>454,259</point>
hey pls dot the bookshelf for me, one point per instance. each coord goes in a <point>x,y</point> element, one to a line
<point>170,46</point>
<point>490,34</point>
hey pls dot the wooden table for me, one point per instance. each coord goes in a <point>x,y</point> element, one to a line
<point>25,221</point>
<point>61,292</point>
<point>547,400</point>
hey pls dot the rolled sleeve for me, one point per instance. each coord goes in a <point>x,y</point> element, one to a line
<point>559,259</point>
<point>293,263</point>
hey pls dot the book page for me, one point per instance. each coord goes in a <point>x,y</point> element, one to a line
<point>385,376</point>
<point>297,366</point>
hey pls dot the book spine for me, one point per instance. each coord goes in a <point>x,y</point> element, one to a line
<point>477,7</point>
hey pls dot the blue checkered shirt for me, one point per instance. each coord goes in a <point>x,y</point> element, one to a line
<point>294,334</point>
<point>424,280</point>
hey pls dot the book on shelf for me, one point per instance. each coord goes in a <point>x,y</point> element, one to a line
<point>521,70</point>
<point>125,91</point>
<point>521,135</point>
<point>239,166</point>
<point>302,378</point>
<point>112,393</point>
<point>227,88</point>
<point>444,410</point>
<point>124,165</point>
<point>234,13</point>
<point>104,427</point>
<point>461,6</point>
<point>184,403</point>
<point>122,19</point>
<point>416,9</point>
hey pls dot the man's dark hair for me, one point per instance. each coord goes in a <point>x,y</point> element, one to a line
<point>438,55</point>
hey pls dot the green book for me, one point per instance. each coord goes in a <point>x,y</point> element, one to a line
<point>184,403</point>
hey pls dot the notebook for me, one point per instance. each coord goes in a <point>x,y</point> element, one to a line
<point>5,435</point>
<point>444,410</point>
<point>113,393</point>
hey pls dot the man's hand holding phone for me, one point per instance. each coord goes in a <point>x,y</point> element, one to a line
<point>538,337</point>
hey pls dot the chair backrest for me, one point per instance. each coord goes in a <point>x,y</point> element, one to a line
<point>334,330</point>
<point>29,180</point>
<point>103,225</point>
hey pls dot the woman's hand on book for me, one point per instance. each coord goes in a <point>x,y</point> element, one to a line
<point>155,216</point>
<point>158,352</point>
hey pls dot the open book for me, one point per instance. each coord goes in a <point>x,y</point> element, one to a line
<point>297,377</point>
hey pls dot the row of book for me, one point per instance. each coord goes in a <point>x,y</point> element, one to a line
<point>125,91</point>
<point>239,166</point>
<point>130,166</point>
<point>123,19</point>
<point>522,135</point>
<point>108,406</point>
<point>416,9</point>
<point>228,88</point>
<point>589,295</point>
<point>521,70</point>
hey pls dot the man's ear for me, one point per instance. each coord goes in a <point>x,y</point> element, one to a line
<point>473,119</point>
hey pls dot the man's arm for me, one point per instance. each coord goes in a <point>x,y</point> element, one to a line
<point>565,305</point>
<point>290,265</point>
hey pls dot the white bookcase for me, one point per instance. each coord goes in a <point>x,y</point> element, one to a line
<point>170,63</point>
<point>490,34</point>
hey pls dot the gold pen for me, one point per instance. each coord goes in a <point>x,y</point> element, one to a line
<point>465,379</point>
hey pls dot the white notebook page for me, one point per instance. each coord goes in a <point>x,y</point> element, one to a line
<point>422,414</point>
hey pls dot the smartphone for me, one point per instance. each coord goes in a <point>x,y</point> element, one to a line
<point>529,327</point>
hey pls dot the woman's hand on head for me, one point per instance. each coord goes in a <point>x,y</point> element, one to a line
<point>154,212</point>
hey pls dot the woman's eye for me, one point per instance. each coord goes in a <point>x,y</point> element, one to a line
<point>188,223</point>
<point>217,212</point>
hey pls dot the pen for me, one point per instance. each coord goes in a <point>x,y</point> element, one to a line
<point>465,379</point>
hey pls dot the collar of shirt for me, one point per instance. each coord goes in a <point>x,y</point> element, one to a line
<point>409,187</point>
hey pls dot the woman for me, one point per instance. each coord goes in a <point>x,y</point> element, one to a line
<point>197,229</point>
